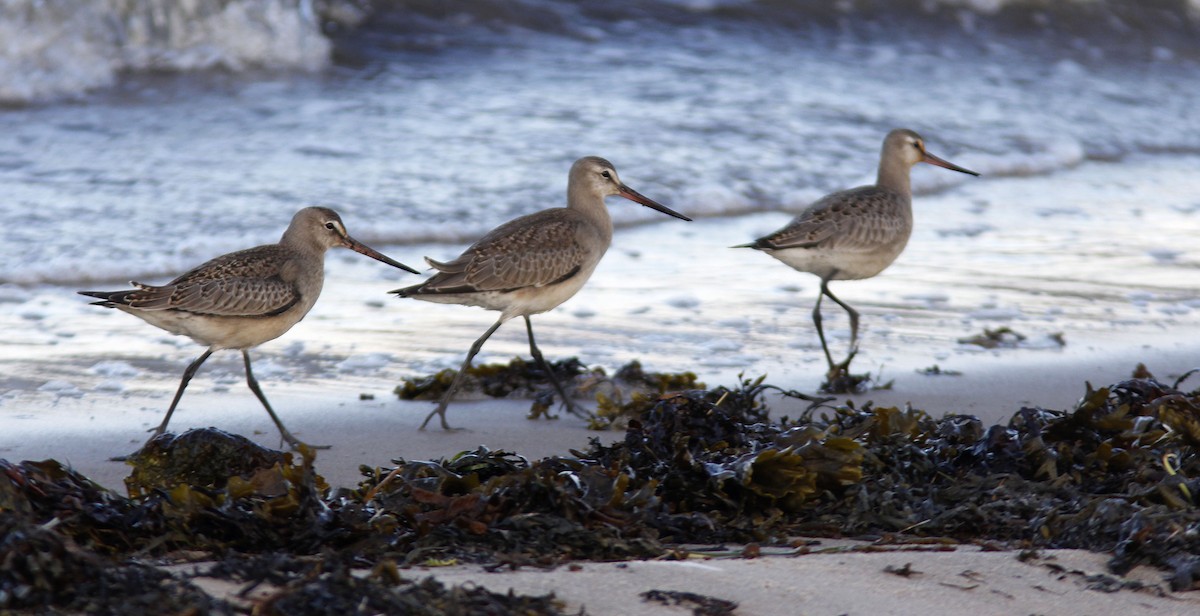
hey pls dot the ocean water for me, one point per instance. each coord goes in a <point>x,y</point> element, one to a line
<point>443,132</point>
<point>138,139</point>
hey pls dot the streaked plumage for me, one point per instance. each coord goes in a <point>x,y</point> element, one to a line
<point>857,233</point>
<point>533,263</point>
<point>245,298</point>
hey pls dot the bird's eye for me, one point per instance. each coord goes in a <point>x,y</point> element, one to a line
<point>330,226</point>
<point>607,175</point>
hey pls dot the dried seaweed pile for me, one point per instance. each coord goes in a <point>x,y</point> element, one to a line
<point>1119,474</point>
<point>69,544</point>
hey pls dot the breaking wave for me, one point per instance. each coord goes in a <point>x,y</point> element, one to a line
<point>57,48</point>
<point>60,48</point>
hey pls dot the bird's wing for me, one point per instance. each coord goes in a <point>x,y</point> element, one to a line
<point>521,253</point>
<point>860,218</point>
<point>243,283</point>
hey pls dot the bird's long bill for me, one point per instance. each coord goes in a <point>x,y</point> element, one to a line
<point>933,160</point>
<point>362,248</point>
<point>638,197</point>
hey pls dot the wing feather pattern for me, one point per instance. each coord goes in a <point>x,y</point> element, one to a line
<point>852,220</point>
<point>518,254</point>
<point>246,283</point>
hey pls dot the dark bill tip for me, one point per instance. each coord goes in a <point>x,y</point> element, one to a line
<point>933,160</point>
<point>638,197</point>
<point>362,248</point>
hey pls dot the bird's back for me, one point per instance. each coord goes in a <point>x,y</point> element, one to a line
<point>237,300</point>
<point>850,234</point>
<point>538,261</point>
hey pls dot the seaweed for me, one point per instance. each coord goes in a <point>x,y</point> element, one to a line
<point>43,568</point>
<point>332,586</point>
<point>1119,473</point>
<point>517,377</point>
<point>1007,338</point>
<point>839,379</point>
<point>704,605</point>
<point>630,391</point>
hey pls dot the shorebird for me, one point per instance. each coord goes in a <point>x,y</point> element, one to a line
<point>532,264</point>
<point>854,234</point>
<point>245,298</point>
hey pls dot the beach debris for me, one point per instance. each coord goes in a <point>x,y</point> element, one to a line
<point>332,586</point>
<point>43,568</point>
<point>207,458</point>
<point>1119,473</point>
<point>630,392</point>
<point>703,605</point>
<point>904,571</point>
<point>627,393</point>
<point>841,381</point>
<point>517,378</point>
<point>1007,338</point>
<point>936,370</point>
<point>1000,337</point>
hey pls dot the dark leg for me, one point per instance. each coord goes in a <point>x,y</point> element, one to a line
<point>440,411</point>
<point>541,361</point>
<point>838,380</point>
<point>850,311</point>
<point>187,376</point>
<point>816,314</point>
<point>253,383</point>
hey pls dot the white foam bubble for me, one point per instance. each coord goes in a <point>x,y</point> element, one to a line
<point>61,388</point>
<point>364,362</point>
<point>114,368</point>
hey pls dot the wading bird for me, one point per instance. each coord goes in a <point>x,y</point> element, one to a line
<point>856,233</point>
<point>245,298</point>
<point>532,264</point>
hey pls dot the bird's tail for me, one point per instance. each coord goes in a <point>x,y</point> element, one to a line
<point>408,291</point>
<point>110,299</point>
<point>756,244</point>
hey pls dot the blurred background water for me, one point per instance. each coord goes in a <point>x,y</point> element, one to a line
<point>143,136</point>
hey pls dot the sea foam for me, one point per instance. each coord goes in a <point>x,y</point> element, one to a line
<point>56,48</point>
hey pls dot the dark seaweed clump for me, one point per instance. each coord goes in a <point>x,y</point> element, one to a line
<point>1118,474</point>
<point>626,394</point>
<point>496,380</point>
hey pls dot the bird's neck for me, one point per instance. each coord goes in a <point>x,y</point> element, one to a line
<point>593,209</point>
<point>292,237</point>
<point>894,176</point>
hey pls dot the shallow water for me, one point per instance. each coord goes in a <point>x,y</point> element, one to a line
<point>1082,222</point>
<point>672,295</point>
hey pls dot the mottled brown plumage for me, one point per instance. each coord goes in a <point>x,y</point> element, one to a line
<point>245,298</point>
<point>856,233</point>
<point>245,283</point>
<point>518,254</point>
<point>533,263</point>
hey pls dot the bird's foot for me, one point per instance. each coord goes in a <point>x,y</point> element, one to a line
<point>440,412</point>
<point>297,444</point>
<point>543,401</point>
<point>839,380</point>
